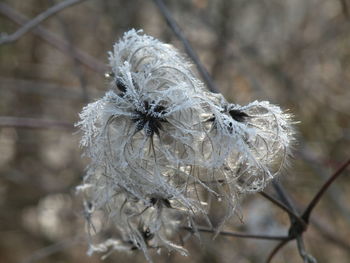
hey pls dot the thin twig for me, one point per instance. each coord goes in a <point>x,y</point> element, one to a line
<point>335,192</point>
<point>283,207</point>
<point>54,40</point>
<point>236,234</point>
<point>283,195</point>
<point>302,252</point>
<point>189,50</point>
<point>37,20</point>
<point>297,227</point>
<point>326,185</point>
<point>31,123</point>
<point>276,249</point>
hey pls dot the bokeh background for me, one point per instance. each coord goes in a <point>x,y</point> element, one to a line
<point>293,53</point>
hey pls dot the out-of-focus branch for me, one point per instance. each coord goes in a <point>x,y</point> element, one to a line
<point>44,88</point>
<point>4,39</point>
<point>54,40</point>
<point>189,50</point>
<point>52,249</point>
<point>345,8</point>
<point>32,123</point>
<point>77,69</point>
<point>237,234</point>
<point>328,234</point>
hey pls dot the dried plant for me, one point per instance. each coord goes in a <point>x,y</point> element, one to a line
<point>162,148</point>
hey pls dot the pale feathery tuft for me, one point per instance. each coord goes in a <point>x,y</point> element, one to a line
<point>162,148</point>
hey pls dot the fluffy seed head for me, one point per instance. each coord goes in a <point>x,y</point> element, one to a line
<point>162,149</point>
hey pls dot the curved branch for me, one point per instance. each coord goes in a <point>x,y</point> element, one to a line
<point>326,185</point>
<point>307,258</point>
<point>283,207</point>
<point>276,249</point>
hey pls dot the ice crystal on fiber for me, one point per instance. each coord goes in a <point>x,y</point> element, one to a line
<point>160,62</point>
<point>162,150</point>
<point>258,140</point>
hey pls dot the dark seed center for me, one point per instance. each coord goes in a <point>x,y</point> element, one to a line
<point>238,115</point>
<point>148,121</point>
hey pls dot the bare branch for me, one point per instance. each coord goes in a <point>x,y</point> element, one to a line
<point>326,185</point>
<point>189,50</point>
<point>276,249</point>
<point>236,234</point>
<point>37,20</point>
<point>31,123</point>
<point>335,192</point>
<point>283,207</point>
<point>299,226</point>
<point>283,195</point>
<point>301,248</point>
<point>54,40</point>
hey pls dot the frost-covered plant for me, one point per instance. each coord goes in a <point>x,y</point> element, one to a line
<point>257,139</point>
<point>161,148</point>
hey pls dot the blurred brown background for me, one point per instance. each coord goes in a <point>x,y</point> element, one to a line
<point>294,53</point>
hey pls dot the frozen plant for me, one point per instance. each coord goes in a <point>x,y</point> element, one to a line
<point>162,148</point>
<point>257,139</point>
